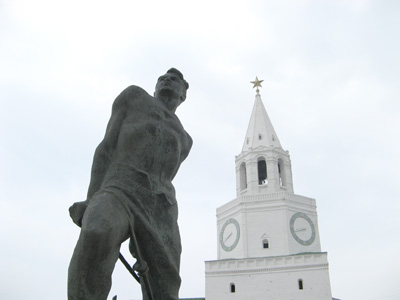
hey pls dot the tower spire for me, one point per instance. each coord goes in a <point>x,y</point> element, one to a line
<point>260,131</point>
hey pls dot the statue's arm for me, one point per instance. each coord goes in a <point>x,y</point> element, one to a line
<point>105,150</point>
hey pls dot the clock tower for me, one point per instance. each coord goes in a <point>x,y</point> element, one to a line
<point>268,237</point>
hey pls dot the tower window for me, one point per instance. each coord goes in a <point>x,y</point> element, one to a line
<point>262,172</point>
<point>281,171</point>
<point>265,244</point>
<point>259,136</point>
<point>300,281</point>
<point>273,138</point>
<point>243,177</point>
<point>233,288</point>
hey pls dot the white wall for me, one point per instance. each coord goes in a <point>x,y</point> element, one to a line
<point>270,278</point>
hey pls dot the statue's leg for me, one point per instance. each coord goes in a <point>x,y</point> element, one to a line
<point>105,226</point>
<point>160,244</point>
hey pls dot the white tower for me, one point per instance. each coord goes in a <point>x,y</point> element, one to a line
<point>268,238</point>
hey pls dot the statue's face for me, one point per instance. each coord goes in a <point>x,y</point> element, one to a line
<point>172,87</point>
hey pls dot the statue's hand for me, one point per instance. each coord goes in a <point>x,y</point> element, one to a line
<point>77,210</point>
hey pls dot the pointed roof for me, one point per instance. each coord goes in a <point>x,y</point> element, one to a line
<point>260,131</point>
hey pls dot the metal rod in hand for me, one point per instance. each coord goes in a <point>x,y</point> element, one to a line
<point>128,267</point>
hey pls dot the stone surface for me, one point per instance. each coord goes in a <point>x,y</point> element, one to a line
<point>131,194</point>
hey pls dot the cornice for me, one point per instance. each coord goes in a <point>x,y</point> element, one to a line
<point>314,260</point>
<point>267,270</point>
<point>262,150</point>
<point>271,201</point>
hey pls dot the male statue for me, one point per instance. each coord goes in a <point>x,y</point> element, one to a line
<point>131,190</point>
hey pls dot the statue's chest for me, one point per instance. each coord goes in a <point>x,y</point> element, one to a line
<point>156,124</point>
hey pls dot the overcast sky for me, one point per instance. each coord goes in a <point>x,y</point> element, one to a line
<point>331,72</point>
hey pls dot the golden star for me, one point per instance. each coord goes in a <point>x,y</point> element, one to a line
<point>256,82</point>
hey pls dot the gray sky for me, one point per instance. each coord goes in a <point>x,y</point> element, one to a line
<point>331,72</point>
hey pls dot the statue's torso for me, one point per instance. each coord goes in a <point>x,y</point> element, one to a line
<point>151,138</point>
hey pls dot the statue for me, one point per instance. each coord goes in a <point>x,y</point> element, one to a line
<point>131,195</point>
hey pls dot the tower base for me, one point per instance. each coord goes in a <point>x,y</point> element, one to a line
<point>303,276</point>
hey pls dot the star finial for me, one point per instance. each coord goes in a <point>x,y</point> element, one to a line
<point>257,83</point>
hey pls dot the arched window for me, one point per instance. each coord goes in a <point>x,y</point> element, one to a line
<point>233,288</point>
<point>265,244</point>
<point>243,177</point>
<point>262,171</point>
<point>281,170</point>
<point>300,281</point>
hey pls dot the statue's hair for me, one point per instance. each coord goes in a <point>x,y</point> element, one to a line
<point>180,75</point>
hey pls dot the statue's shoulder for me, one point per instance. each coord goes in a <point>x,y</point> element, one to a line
<point>129,95</point>
<point>133,91</point>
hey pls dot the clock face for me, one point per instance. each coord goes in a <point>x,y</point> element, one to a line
<point>229,235</point>
<point>302,229</point>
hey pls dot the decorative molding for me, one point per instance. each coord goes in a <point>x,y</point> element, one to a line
<point>277,200</point>
<point>267,264</point>
<point>266,270</point>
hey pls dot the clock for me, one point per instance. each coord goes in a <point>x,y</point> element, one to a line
<point>302,229</point>
<point>229,235</point>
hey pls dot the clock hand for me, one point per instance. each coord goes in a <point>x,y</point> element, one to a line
<point>227,237</point>
<point>301,229</point>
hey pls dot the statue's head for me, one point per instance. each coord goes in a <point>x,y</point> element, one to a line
<point>172,85</point>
